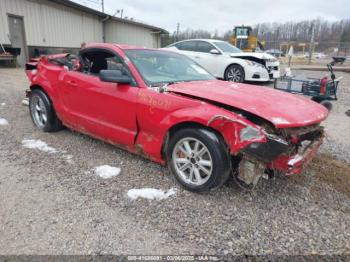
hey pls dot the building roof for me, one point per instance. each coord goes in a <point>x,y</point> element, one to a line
<point>120,46</point>
<point>80,7</point>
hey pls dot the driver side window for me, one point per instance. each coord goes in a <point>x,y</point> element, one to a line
<point>204,47</point>
<point>96,60</point>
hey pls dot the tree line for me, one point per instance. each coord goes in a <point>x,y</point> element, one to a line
<point>328,34</point>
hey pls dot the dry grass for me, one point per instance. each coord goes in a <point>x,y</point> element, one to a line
<point>330,171</point>
<point>333,172</point>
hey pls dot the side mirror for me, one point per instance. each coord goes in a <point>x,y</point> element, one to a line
<point>114,76</point>
<point>215,52</point>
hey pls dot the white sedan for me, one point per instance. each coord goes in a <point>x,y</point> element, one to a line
<point>227,62</point>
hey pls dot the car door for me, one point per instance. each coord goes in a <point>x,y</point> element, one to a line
<point>101,109</point>
<point>211,62</point>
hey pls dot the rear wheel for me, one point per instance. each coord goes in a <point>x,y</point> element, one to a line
<point>235,73</point>
<point>42,112</point>
<point>198,159</point>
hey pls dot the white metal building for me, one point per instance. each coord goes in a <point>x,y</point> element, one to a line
<point>45,26</point>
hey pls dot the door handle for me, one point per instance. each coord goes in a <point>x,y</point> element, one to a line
<point>197,57</point>
<point>72,83</point>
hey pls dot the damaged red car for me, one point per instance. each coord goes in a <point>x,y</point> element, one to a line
<point>165,107</point>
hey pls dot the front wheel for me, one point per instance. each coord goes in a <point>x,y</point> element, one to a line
<point>198,159</point>
<point>235,73</point>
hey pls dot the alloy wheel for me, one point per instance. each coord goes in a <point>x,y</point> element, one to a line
<point>38,111</point>
<point>192,161</point>
<point>234,74</point>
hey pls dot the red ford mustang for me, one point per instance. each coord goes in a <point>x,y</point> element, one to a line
<point>167,108</point>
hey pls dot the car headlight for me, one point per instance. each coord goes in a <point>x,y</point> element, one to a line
<point>271,60</point>
<point>251,63</point>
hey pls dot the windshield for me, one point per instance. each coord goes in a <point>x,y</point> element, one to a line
<point>227,48</point>
<point>158,67</point>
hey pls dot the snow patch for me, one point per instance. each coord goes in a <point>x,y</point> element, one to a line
<point>107,171</point>
<point>279,120</point>
<point>3,122</point>
<point>150,193</point>
<point>25,102</point>
<point>3,104</point>
<point>38,144</point>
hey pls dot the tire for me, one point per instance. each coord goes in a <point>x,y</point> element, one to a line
<point>234,73</point>
<point>210,157</point>
<point>327,104</point>
<point>42,112</point>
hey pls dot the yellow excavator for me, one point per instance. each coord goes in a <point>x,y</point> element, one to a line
<point>244,40</point>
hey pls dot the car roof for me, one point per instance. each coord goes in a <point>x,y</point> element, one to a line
<point>120,46</point>
<point>202,39</point>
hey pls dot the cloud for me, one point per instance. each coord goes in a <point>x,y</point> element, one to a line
<point>223,15</point>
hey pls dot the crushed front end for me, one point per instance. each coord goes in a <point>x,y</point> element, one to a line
<point>286,151</point>
<point>260,148</point>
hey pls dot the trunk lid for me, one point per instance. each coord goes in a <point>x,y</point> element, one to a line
<point>283,110</point>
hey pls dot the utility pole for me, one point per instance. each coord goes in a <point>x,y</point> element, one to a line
<point>103,6</point>
<point>177,31</point>
<point>312,42</point>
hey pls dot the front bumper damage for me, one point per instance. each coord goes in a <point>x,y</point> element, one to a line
<point>256,152</point>
<point>273,69</point>
<point>278,154</point>
<point>295,164</point>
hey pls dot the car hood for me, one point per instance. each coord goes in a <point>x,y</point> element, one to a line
<point>283,110</point>
<point>263,56</point>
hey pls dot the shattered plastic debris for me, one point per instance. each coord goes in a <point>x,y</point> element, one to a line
<point>150,193</point>
<point>38,144</point>
<point>107,171</point>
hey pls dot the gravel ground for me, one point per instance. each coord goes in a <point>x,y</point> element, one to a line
<point>52,203</point>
